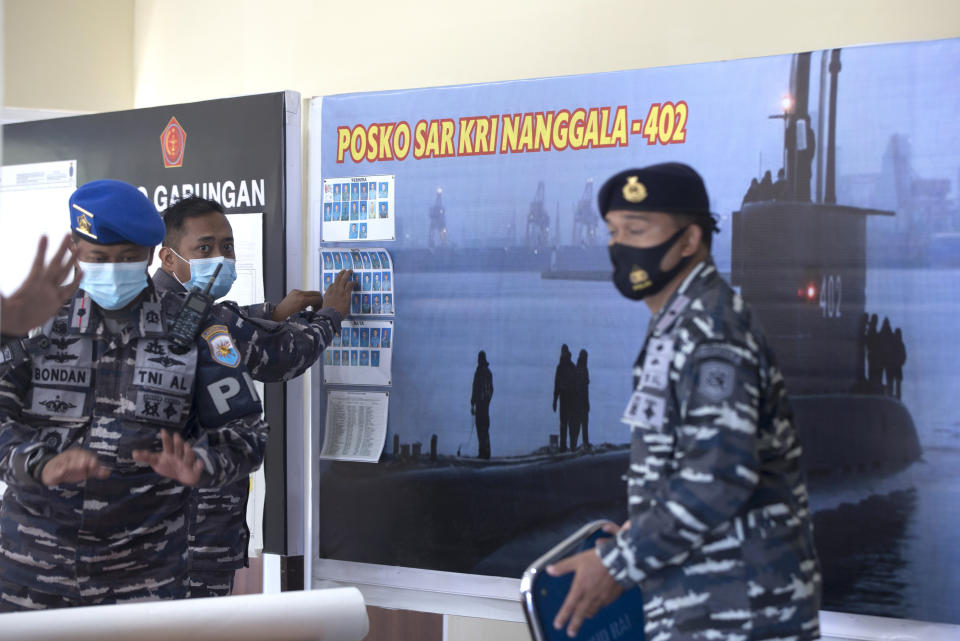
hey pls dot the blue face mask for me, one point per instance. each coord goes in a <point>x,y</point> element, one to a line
<point>113,285</point>
<point>201,269</point>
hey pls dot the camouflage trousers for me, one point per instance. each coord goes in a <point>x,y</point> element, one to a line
<point>19,598</point>
<point>761,586</point>
<point>211,583</point>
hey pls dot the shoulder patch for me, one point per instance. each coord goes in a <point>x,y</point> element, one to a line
<point>222,348</point>
<point>716,380</point>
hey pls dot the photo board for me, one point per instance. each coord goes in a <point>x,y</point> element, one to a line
<point>834,178</point>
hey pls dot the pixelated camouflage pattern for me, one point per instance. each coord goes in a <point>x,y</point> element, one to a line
<point>112,391</point>
<point>11,358</point>
<point>720,538</point>
<point>273,352</point>
<point>213,583</point>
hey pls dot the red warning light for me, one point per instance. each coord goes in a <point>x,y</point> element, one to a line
<point>811,291</point>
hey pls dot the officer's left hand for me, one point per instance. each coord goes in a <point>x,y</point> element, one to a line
<point>592,589</point>
<point>175,461</point>
<point>296,301</point>
<point>43,292</point>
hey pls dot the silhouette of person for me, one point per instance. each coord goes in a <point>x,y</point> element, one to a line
<point>765,192</point>
<point>874,368</point>
<point>862,348</point>
<point>565,389</point>
<point>886,342</point>
<point>582,403</point>
<point>898,359</point>
<point>781,189</point>
<point>480,403</point>
<point>751,195</point>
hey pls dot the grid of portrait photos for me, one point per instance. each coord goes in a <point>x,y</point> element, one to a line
<point>359,208</point>
<point>360,355</point>
<point>372,273</point>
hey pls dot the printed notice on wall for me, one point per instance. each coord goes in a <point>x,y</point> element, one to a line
<point>359,208</point>
<point>361,354</point>
<point>248,246</point>
<point>372,273</point>
<point>356,426</point>
<point>34,199</point>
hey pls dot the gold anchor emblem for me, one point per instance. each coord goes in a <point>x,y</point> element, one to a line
<point>634,191</point>
<point>83,222</point>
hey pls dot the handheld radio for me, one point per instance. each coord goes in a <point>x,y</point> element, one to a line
<point>186,326</point>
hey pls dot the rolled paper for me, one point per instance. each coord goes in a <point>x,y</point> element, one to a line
<point>338,614</point>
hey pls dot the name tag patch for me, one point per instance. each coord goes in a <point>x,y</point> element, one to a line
<point>158,369</point>
<point>66,361</point>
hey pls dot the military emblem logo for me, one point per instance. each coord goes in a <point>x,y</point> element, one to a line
<point>57,405</point>
<point>84,222</point>
<point>634,191</point>
<point>151,408</point>
<point>717,380</point>
<point>170,411</point>
<point>154,347</point>
<point>166,361</point>
<point>63,343</point>
<point>222,348</point>
<point>173,141</point>
<point>639,278</point>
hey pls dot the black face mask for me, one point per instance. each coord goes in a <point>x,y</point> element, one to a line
<point>636,271</point>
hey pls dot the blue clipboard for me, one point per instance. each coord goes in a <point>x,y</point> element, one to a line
<point>543,595</point>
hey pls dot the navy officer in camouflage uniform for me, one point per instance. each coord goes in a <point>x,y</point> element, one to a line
<point>719,537</point>
<point>92,427</point>
<point>277,343</point>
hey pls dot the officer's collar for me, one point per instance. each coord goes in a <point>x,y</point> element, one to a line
<point>165,282</point>
<point>689,289</point>
<point>88,318</point>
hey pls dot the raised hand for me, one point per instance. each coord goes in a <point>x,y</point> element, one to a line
<point>42,293</point>
<point>175,461</point>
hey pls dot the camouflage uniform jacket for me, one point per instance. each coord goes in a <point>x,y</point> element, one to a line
<point>272,352</point>
<point>111,392</point>
<point>12,353</point>
<point>720,538</point>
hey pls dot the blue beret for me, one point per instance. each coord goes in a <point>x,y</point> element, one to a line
<point>110,211</point>
<point>671,188</point>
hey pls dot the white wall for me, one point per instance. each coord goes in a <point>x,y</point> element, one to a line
<point>73,55</point>
<point>189,50</point>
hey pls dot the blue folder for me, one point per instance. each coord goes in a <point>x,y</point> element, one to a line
<point>543,595</point>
